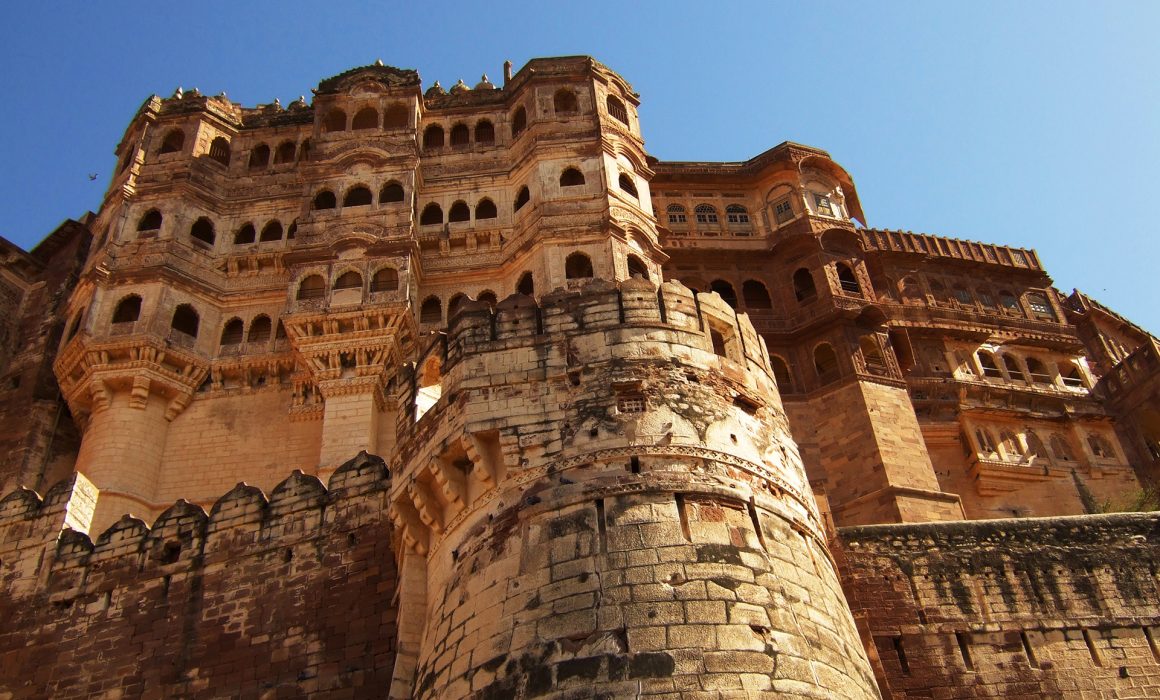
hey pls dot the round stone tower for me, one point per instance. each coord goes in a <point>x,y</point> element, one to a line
<point>605,501</point>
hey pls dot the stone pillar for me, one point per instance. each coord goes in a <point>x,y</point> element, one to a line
<point>350,420</point>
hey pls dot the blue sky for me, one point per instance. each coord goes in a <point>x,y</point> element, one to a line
<point>1028,123</point>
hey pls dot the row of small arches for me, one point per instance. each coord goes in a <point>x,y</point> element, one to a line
<point>910,291</point>
<point>755,294</point>
<point>203,229</point>
<point>826,366</point>
<point>360,196</point>
<point>234,331</point>
<point>185,317</point>
<point>1037,371</point>
<point>707,214</point>
<point>313,286</point>
<point>1009,448</point>
<point>395,116</point>
<point>285,153</point>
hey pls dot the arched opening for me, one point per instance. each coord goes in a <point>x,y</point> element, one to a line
<point>526,285</point>
<point>304,151</point>
<point>325,200</point>
<point>335,121</point>
<point>259,157</point>
<point>459,212</point>
<point>781,374</point>
<point>1100,447</point>
<point>391,192</point>
<point>431,311</point>
<point>1009,301</point>
<point>616,109</point>
<point>292,231</point>
<point>433,137</point>
<point>174,142</point>
<point>259,329</point>
<point>385,280</point>
<point>718,339</point>
<point>1040,307</point>
<point>455,304</point>
<point>985,297</point>
<point>577,266</point>
<point>1038,371</point>
<point>756,295</point>
<point>986,442</point>
<point>233,332</point>
<point>349,280</point>
<point>312,287</point>
<point>396,117</point>
<point>987,362</point>
<point>365,118</point>
<point>1035,446</point>
<point>522,198</point>
<point>1060,448</point>
<point>432,214</point>
<point>571,177</point>
<point>219,150</point>
<point>128,309</point>
<point>272,231</point>
<point>1009,446</point>
<point>636,267</point>
<point>485,209</point>
<point>847,280</point>
<point>564,102</point>
<point>1071,376</point>
<point>246,234</point>
<point>911,291</point>
<point>430,386</point>
<point>677,214</point>
<point>938,291</point>
<point>74,327</point>
<point>285,153</point>
<point>963,295</point>
<point>1012,366</point>
<point>484,132</point>
<point>725,290</point>
<point>519,121</point>
<point>825,363</point>
<point>705,213</point>
<point>150,222</point>
<point>803,285</point>
<point>872,355</point>
<point>488,297</point>
<point>202,230</point>
<point>280,331</point>
<point>357,197</point>
<point>736,214</point>
<point>625,182</point>
<point>460,136</point>
<point>185,320</point>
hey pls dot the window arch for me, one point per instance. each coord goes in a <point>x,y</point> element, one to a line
<point>938,291</point>
<point>526,285</point>
<point>987,362</point>
<point>872,355</point>
<point>1035,446</point>
<point>963,295</point>
<point>396,116</point>
<point>1009,446</point>
<point>391,192</point>
<point>522,198</point>
<point>285,153</point>
<point>259,156</point>
<point>755,294</point>
<point>736,214</point>
<point>185,320</point>
<point>625,182</point>
<point>571,177</point>
<point>1040,307</point>
<point>349,280</point>
<point>1038,371</point>
<point>1061,449</point>
<point>489,297</point>
<point>460,135</point>
<point>335,121</point>
<point>636,267</point>
<point>484,132</point>
<point>485,209</point>
<point>455,304</point>
<point>151,221</point>
<point>986,442</point>
<point>1100,447</point>
<point>365,118</point>
<point>431,311</point>
<point>202,230</point>
<point>128,309</point>
<point>781,374</point>
<point>259,329</point>
<point>219,150</point>
<point>1012,366</point>
<point>616,109</point>
<point>385,280</point>
<point>304,150</point>
<point>803,285</point>
<point>847,280</point>
<point>677,214</point>
<point>432,214</point>
<point>173,142</point>
<point>725,290</point>
<point>564,102</point>
<point>706,214</point>
<point>519,121</point>
<point>358,196</point>
<point>325,200</point>
<point>825,363</point>
<point>985,297</point>
<point>233,332</point>
<point>459,212</point>
<point>577,266</point>
<point>272,231</point>
<point>246,234</point>
<point>1071,375</point>
<point>433,137</point>
<point>911,291</point>
<point>1008,300</point>
<point>312,287</point>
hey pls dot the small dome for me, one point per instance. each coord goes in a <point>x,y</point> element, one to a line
<point>459,87</point>
<point>435,90</point>
<point>299,103</point>
<point>484,84</point>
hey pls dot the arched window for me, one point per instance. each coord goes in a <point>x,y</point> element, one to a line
<point>755,294</point>
<point>202,230</point>
<point>706,214</point>
<point>349,280</point>
<point>304,150</point>
<point>259,156</point>
<point>484,132</point>
<point>1035,446</point>
<point>325,200</point>
<point>1009,446</point>
<point>1100,447</point>
<point>396,116</point>
<point>335,121</point>
<point>938,291</point>
<point>292,231</point>
<point>519,121</point>
<point>455,304</point>
<point>74,327</point>
<point>1012,367</point>
<point>1071,376</point>
<point>219,150</point>
<point>872,355</point>
<point>803,285</point>
<point>1008,300</point>
<point>259,329</point>
<point>987,362</point>
<point>357,197</point>
<point>636,267</point>
<point>185,320</point>
<point>128,309</point>
<point>312,287</point>
<point>725,290</point>
<point>986,442</point>
<point>150,222</point>
<point>985,297</point>
<point>385,280</point>
<point>847,280</point>
<point>233,332</point>
<point>433,137</point>
<point>736,214</point>
<point>911,291</point>
<point>625,182</point>
<point>391,192</point>
<point>489,297</point>
<point>485,209</point>
<point>526,285</point>
<point>459,212</point>
<point>564,102</point>
<point>963,295</point>
<point>577,266</point>
<point>571,177</point>
<point>781,374</point>
<point>280,331</point>
<point>285,153</point>
<point>173,143</point>
<point>432,214</point>
<point>1038,370</point>
<point>460,135</point>
<point>431,311</point>
<point>825,363</point>
<point>616,109</point>
<point>365,118</point>
<point>676,214</point>
<point>522,198</point>
<point>272,231</point>
<point>1040,307</point>
<point>1061,449</point>
<point>246,234</point>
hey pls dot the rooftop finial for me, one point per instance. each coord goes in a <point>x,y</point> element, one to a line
<point>507,72</point>
<point>179,93</point>
<point>378,61</point>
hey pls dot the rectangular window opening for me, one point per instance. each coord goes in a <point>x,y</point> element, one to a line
<point>901,655</point>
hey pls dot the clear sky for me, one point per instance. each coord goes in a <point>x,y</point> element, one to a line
<point>1028,123</point>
